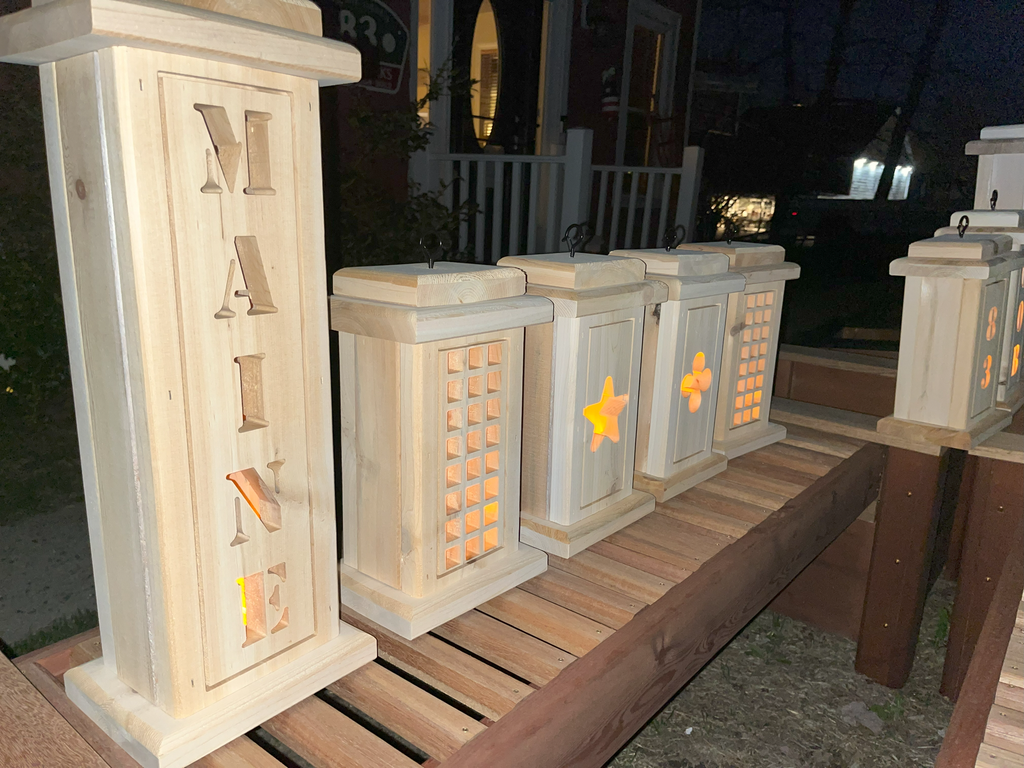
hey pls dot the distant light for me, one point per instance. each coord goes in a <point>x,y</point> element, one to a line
<point>874,164</point>
<point>908,169</point>
<point>860,161</point>
<point>793,213</point>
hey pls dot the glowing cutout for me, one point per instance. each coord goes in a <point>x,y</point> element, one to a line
<point>473,521</point>
<point>491,513</point>
<point>453,502</point>
<point>490,539</point>
<point>260,498</point>
<point>254,615</point>
<point>1015,365</point>
<point>695,383</point>
<point>990,331</point>
<point>604,414</point>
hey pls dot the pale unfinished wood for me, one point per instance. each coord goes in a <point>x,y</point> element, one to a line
<point>970,246</point>
<point>583,271</point>
<point>743,254</point>
<point>63,29</point>
<point>431,448</point>
<point>580,422</point>
<point>407,710</point>
<point>509,648</point>
<point>420,285</point>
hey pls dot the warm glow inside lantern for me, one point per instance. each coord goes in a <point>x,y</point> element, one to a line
<point>183,149</point>
<point>431,362</point>
<point>951,338</point>
<point>1010,389</point>
<point>750,347</point>
<point>580,413</point>
<point>681,368</point>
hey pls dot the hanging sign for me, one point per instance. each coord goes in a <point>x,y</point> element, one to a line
<point>381,37</point>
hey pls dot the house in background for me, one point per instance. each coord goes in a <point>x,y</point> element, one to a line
<point>620,70</point>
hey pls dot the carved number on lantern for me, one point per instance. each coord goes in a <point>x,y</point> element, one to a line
<point>986,379</point>
<point>990,332</point>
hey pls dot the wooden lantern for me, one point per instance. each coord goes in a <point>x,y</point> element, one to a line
<point>581,404</point>
<point>1000,152</point>
<point>431,422</point>
<point>751,346</point>
<point>1010,389</point>
<point>680,369</point>
<point>183,150</point>
<point>951,338</point>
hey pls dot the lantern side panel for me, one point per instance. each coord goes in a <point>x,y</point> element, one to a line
<point>1013,342</point>
<point>987,347</point>
<point>696,406</point>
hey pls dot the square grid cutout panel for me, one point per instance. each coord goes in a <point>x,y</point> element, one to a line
<point>753,352</point>
<point>473,379</point>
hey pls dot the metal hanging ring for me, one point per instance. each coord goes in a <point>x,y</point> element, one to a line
<point>575,236</point>
<point>674,238</point>
<point>961,228</point>
<point>436,252</point>
<point>730,231</point>
<point>993,199</point>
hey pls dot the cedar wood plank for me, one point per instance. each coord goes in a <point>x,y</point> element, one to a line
<point>589,711</point>
<point>967,725</point>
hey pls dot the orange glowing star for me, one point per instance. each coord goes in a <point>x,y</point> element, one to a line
<point>604,414</point>
<point>696,382</point>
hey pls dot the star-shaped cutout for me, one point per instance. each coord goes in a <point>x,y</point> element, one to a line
<point>695,383</point>
<point>604,414</point>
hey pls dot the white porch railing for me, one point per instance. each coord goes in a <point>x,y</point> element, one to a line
<point>524,203</point>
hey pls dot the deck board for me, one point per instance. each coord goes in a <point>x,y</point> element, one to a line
<point>467,693</point>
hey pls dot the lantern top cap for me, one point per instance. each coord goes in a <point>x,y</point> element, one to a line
<point>973,247</point>
<point>679,262</point>
<point>744,254</point>
<point>419,285</point>
<point>275,35</point>
<point>580,272</point>
<point>982,218</point>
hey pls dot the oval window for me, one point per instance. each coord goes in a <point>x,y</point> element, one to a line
<point>486,71</point>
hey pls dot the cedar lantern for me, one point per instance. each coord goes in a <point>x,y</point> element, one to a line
<point>184,156</point>
<point>581,398</point>
<point>681,368</point>
<point>431,361</point>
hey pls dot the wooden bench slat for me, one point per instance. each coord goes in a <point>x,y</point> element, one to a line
<point>421,719</point>
<point>770,481</point>
<point>735,490</point>
<point>798,458</point>
<point>623,578</point>
<point>658,539</point>
<point>601,604</point>
<point>1010,696</point>
<point>705,518</point>
<point>322,735</point>
<point>990,756</point>
<point>821,442</point>
<point>242,752</point>
<point>507,647</point>
<point>479,686</point>
<point>708,539</point>
<point>1005,729</point>
<point>755,462</point>
<point>33,732</point>
<point>722,505</point>
<point>551,623</point>
<point>640,561</point>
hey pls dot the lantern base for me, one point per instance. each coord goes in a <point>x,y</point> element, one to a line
<point>1012,401</point>
<point>747,441</point>
<point>663,488</point>
<point>411,617</point>
<point>157,740</point>
<point>567,540</point>
<point>931,434</point>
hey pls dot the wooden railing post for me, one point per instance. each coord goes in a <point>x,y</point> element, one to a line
<point>689,189</point>
<point>578,180</point>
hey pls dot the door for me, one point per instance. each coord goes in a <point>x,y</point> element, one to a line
<point>648,81</point>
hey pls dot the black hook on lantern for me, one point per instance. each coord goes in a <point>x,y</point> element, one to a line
<point>575,236</point>
<point>992,200</point>
<point>436,252</point>
<point>961,228</point>
<point>674,238</point>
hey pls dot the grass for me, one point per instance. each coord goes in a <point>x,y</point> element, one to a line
<point>61,629</point>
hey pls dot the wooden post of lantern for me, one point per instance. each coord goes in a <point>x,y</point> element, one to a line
<point>1000,152</point>
<point>1010,388</point>
<point>580,406</point>
<point>751,345</point>
<point>951,339</point>
<point>431,422</point>
<point>183,147</point>
<point>680,369</point>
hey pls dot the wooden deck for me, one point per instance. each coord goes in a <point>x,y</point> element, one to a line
<point>566,668</point>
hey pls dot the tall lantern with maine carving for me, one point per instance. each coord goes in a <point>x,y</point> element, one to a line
<point>187,202</point>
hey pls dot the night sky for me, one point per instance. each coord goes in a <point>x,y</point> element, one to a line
<point>978,69</point>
